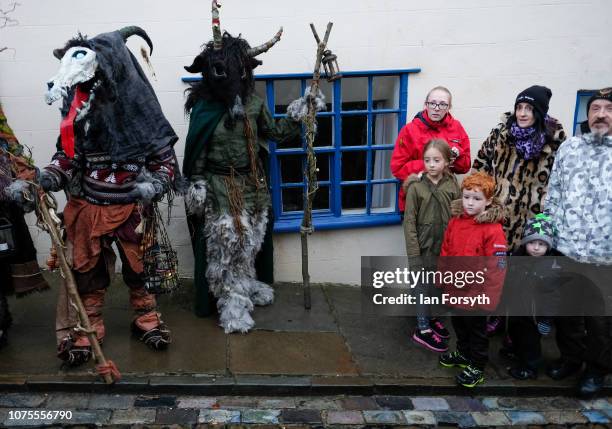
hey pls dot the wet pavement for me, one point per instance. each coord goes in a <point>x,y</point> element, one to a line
<point>333,348</point>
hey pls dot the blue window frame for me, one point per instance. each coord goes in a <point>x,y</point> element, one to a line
<point>355,139</point>
<point>580,113</point>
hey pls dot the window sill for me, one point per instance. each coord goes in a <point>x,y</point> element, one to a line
<point>326,223</point>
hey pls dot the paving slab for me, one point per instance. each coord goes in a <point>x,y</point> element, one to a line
<point>490,418</point>
<point>289,315</point>
<point>219,416</point>
<point>357,403</point>
<point>596,417</point>
<point>67,401</point>
<point>394,402</point>
<point>525,418</point>
<point>196,402</point>
<point>18,400</point>
<point>461,419</point>
<point>298,353</point>
<point>111,402</point>
<point>429,403</point>
<point>301,416</point>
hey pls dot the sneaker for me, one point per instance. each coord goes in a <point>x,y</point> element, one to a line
<point>470,376</point>
<point>494,325</point>
<point>439,328</point>
<point>453,359</point>
<point>523,373</point>
<point>430,340</point>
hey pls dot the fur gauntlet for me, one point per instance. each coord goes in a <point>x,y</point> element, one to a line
<point>50,181</point>
<point>23,194</point>
<point>298,109</point>
<point>195,198</point>
<point>149,187</point>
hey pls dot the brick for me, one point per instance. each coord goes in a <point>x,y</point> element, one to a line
<point>490,403</point>
<point>317,404</point>
<point>196,402</point>
<point>596,404</point>
<point>394,402</point>
<point>219,416</point>
<point>460,419</point>
<point>260,416</point>
<point>430,404</point>
<point>237,402</point>
<point>459,403</point>
<point>301,416</point>
<point>564,417</point>
<point>383,417</point>
<point>96,417</point>
<point>490,418</point>
<point>358,403</point>
<point>268,404</point>
<point>419,418</point>
<point>344,418</point>
<point>111,402</point>
<point>525,418</point>
<point>595,416</point>
<point>133,416</point>
<point>182,416</point>
<point>21,400</point>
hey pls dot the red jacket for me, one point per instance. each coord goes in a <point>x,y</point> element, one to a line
<point>407,155</point>
<point>483,236</point>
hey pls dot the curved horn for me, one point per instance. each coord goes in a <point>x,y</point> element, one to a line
<point>216,26</point>
<point>135,30</point>
<point>263,48</point>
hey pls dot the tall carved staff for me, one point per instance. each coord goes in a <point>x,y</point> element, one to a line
<point>45,209</point>
<point>328,60</point>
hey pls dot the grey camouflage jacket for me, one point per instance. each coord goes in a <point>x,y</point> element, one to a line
<point>580,199</point>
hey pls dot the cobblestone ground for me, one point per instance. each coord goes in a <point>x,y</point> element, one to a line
<point>105,410</point>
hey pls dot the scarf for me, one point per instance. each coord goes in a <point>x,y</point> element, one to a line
<point>527,141</point>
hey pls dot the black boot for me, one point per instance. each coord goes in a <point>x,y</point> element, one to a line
<point>72,355</point>
<point>562,369</point>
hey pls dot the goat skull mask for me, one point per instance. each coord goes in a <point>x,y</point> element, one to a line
<point>78,65</point>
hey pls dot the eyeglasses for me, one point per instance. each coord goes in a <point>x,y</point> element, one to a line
<point>432,105</point>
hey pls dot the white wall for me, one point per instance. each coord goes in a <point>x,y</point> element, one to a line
<point>485,51</point>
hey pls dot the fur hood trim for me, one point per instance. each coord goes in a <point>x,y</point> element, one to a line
<point>495,213</point>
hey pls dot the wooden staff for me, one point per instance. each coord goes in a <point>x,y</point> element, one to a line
<point>47,214</point>
<point>310,171</point>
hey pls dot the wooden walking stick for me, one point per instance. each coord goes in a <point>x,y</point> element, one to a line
<point>46,210</point>
<point>328,60</point>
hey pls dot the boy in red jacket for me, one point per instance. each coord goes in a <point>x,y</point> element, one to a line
<point>477,232</point>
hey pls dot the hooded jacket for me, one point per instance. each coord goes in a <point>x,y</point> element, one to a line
<point>520,185</point>
<point>427,215</point>
<point>407,155</point>
<point>579,199</point>
<point>481,237</point>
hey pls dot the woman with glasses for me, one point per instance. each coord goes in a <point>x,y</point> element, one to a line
<point>519,153</point>
<point>433,122</point>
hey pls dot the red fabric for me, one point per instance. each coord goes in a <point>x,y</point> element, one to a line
<point>465,237</point>
<point>407,155</point>
<point>109,369</point>
<point>67,124</point>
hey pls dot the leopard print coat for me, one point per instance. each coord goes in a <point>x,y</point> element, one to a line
<point>520,185</point>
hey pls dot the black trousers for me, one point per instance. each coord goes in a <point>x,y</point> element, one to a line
<point>472,340</point>
<point>525,340</point>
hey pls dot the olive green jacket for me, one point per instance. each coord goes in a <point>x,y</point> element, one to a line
<point>427,214</point>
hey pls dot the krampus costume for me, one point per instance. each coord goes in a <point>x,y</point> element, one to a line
<point>19,271</point>
<point>115,155</point>
<point>225,159</point>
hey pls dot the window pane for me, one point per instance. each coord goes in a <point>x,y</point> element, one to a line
<point>353,199</point>
<point>260,89</point>
<point>328,91</point>
<point>321,199</point>
<point>285,91</point>
<point>293,199</point>
<point>325,131</point>
<point>323,164</point>
<point>354,93</point>
<point>355,130</point>
<point>383,198</point>
<point>385,92</point>
<point>380,164</point>
<point>384,129</point>
<point>354,165</point>
<point>291,168</point>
